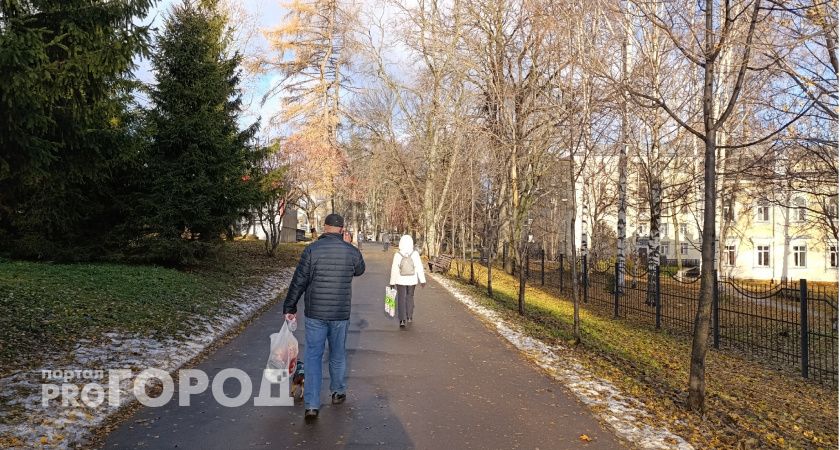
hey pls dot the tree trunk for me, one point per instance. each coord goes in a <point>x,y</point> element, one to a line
<point>490,260</point>
<point>463,249</point>
<point>472,225</point>
<point>523,248</point>
<point>653,238</point>
<point>584,222</point>
<point>515,223</point>
<point>621,227</point>
<point>572,220</point>
<point>431,240</point>
<point>452,234</point>
<point>700,342</point>
<point>678,253</point>
<point>575,285</point>
<point>655,206</point>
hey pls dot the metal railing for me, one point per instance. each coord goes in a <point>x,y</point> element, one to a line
<point>792,324</point>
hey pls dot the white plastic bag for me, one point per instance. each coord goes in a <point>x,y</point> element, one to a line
<point>284,352</point>
<point>390,301</point>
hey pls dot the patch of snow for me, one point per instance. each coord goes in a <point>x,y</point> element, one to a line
<point>25,423</point>
<point>620,411</point>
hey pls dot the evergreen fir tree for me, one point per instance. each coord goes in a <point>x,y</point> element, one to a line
<point>65,123</point>
<point>198,161</point>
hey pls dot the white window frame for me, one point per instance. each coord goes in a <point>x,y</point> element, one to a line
<point>664,248</point>
<point>763,248</point>
<point>832,207</point>
<point>683,248</point>
<point>663,229</point>
<point>832,253</point>
<point>684,229</point>
<point>729,212</point>
<point>730,254</point>
<point>798,211</point>
<point>799,249</point>
<point>759,217</point>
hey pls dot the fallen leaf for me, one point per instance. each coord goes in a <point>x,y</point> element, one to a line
<point>585,438</point>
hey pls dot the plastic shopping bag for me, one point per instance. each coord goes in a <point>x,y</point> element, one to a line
<point>390,301</point>
<point>283,356</point>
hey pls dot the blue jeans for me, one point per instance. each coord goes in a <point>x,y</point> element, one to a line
<point>318,333</point>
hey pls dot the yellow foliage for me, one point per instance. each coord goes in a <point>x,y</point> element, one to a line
<point>290,27</point>
<point>307,48</point>
<point>301,7</point>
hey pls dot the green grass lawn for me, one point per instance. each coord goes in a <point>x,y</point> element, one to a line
<point>748,405</point>
<point>51,306</point>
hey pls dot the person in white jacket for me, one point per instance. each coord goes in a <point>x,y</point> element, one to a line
<point>406,272</point>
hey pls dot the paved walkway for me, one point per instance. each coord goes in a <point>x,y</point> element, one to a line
<point>445,381</point>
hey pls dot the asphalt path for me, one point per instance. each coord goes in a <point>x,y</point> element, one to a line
<point>447,381</point>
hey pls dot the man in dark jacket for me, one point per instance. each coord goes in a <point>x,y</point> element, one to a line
<point>324,277</point>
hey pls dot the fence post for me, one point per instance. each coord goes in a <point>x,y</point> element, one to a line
<point>542,267</point>
<point>716,311</point>
<point>585,279</point>
<point>803,323</point>
<point>561,271</point>
<point>615,293</point>
<point>658,300</point>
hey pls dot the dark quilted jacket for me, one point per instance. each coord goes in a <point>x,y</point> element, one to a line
<point>324,276</point>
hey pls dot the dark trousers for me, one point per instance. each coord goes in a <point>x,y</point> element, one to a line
<point>405,301</point>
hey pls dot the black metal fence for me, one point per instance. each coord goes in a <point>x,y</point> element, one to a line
<point>791,324</point>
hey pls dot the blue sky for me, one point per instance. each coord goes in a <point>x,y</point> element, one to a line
<point>259,15</point>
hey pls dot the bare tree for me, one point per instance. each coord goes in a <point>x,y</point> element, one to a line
<point>428,103</point>
<point>729,28</point>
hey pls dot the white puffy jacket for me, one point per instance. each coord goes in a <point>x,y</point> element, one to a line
<point>406,248</point>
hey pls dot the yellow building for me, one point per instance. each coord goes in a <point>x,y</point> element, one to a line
<point>772,241</point>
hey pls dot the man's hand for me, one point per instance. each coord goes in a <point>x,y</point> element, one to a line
<point>290,317</point>
<point>423,285</point>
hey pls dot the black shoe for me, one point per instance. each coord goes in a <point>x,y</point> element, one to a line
<point>402,323</point>
<point>338,399</point>
<point>310,415</point>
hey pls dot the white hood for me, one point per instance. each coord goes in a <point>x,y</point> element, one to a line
<point>406,249</point>
<point>406,245</point>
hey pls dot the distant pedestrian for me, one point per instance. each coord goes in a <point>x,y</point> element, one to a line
<point>324,277</point>
<point>406,273</point>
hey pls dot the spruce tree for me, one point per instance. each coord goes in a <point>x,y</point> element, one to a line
<point>199,158</point>
<point>64,120</point>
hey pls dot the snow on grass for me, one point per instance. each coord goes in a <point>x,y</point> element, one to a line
<point>25,423</point>
<point>618,410</point>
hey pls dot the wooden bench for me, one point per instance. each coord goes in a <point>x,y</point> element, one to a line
<point>440,263</point>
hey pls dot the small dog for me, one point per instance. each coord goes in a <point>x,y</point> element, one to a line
<point>297,380</point>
